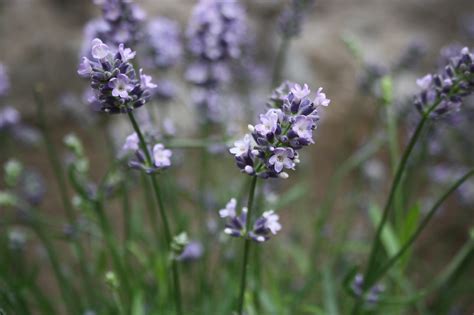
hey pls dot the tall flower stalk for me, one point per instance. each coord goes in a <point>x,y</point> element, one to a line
<point>271,148</point>
<point>118,89</point>
<point>441,94</point>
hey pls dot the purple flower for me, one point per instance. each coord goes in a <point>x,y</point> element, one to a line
<point>113,79</point>
<point>132,143</point>
<point>191,252</point>
<point>443,93</point>
<point>4,81</point>
<point>300,92</point>
<point>283,130</point>
<point>120,86</point>
<point>425,82</point>
<point>161,156</point>
<point>269,123</point>
<point>242,146</point>
<point>282,158</point>
<point>291,19</point>
<point>216,29</point>
<point>229,210</point>
<point>121,22</point>
<point>262,229</point>
<point>165,43</point>
<point>9,117</point>
<point>267,224</point>
<point>145,81</point>
<point>303,127</point>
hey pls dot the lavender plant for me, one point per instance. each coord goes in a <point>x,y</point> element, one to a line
<point>138,180</point>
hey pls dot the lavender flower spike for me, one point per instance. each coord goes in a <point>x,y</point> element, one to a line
<point>443,93</point>
<point>116,86</point>
<point>161,156</point>
<point>283,130</point>
<point>265,226</point>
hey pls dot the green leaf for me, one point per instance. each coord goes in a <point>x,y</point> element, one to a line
<point>138,306</point>
<point>389,238</point>
<point>330,295</point>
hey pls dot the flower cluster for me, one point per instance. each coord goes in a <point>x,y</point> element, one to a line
<point>216,34</point>
<point>291,19</point>
<point>372,296</point>
<point>284,129</point>
<point>121,22</point>
<point>161,157</point>
<point>216,29</point>
<point>9,117</point>
<point>164,40</point>
<point>4,81</point>
<point>117,88</point>
<point>443,93</point>
<point>266,225</point>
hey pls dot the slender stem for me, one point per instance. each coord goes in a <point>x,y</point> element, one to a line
<point>279,62</point>
<point>62,187</point>
<point>63,283</point>
<point>243,279</point>
<point>164,218</point>
<point>111,245</point>
<point>393,189</point>
<point>127,219</point>
<point>422,226</point>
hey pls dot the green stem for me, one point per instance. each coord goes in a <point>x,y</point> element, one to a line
<point>62,187</point>
<point>243,279</point>
<point>111,245</point>
<point>422,226</point>
<point>66,290</point>
<point>279,62</point>
<point>164,218</point>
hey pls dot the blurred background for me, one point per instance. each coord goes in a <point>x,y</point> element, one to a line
<point>41,42</point>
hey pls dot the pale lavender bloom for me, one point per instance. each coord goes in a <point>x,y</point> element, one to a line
<point>291,19</point>
<point>145,81</point>
<point>85,68</point>
<point>4,81</point>
<point>269,122</point>
<point>165,42</point>
<point>120,86</point>
<point>303,127</point>
<point>99,49</point>
<point>126,53</point>
<point>242,146</point>
<point>265,226</point>
<point>300,92</point>
<point>132,143</point>
<point>282,158</point>
<point>123,22</point>
<point>229,210</point>
<point>216,29</point>
<point>272,221</point>
<point>192,251</point>
<point>321,99</point>
<point>9,117</point>
<point>161,156</point>
<point>425,82</point>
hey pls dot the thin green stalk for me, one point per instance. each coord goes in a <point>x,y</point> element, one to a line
<point>279,62</point>
<point>66,291</point>
<point>62,187</point>
<point>243,279</point>
<point>422,226</point>
<point>112,246</point>
<point>164,218</point>
<point>395,184</point>
<point>127,218</point>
